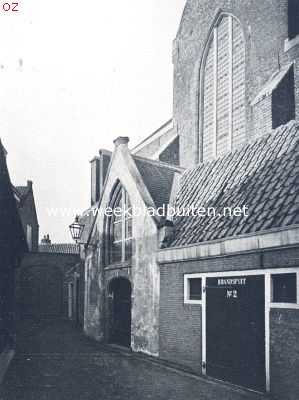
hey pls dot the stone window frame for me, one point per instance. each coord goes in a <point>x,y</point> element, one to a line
<point>187,278</point>
<point>210,41</point>
<point>118,195</point>
<point>285,303</point>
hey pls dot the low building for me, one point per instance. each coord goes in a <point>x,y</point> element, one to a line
<point>229,279</point>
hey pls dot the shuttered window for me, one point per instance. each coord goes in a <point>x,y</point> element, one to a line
<point>224,89</point>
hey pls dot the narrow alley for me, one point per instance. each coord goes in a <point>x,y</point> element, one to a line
<point>54,360</point>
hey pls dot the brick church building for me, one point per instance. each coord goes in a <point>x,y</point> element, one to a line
<point>215,292</point>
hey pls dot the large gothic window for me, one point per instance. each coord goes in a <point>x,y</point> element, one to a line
<point>223,105</point>
<point>120,227</point>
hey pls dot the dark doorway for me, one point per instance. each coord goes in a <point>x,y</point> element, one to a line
<point>235,330</point>
<point>120,312</point>
<point>41,293</point>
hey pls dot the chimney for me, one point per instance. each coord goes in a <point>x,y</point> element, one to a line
<point>166,233</point>
<point>99,168</point>
<point>46,239</point>
<point>29,185</point>
<point>121,140</point>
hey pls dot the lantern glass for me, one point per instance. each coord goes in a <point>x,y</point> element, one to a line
<point>76,229</point>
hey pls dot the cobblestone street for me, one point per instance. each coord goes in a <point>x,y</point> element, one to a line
<point>55,361</point>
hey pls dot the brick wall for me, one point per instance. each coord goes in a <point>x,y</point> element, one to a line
<point>265,26</point>
<point>262,122</point>
<point>37,262</point>
<point>284,360</point>
<point>76,277</point>
<point>180,324</point>
<point>281,258</point>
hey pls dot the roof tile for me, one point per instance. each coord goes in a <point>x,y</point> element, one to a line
<point>61,248</point>
<point>158,178</point>
<point>262,175</point>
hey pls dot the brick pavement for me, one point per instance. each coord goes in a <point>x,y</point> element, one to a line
<point>55,361</point>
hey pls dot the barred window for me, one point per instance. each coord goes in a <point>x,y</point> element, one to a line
<point>223,106</point>
<point>120,235</point>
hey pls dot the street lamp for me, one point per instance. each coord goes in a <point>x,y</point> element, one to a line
<point>76,229</point>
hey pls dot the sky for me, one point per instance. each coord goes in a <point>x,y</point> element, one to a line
<point>74,75</point>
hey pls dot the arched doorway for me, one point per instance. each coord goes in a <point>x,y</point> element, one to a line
<point>119,292</point>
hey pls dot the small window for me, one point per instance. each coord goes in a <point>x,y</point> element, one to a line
<point>194,289</point>
<point>284,288</point>
<point>293,17</point>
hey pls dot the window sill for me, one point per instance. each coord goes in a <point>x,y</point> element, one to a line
<point>193,302</point>
<point>121,265</point>
<point>293,306</point>
<point>290,43</point>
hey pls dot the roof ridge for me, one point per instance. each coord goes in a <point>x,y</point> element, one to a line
<point>59,248</point>
<point>58,244</point>
<point>159,163</point>
<point>150,136</point>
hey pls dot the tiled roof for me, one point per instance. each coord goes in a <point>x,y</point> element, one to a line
<point>157,177</point>
<point>263,175</point>
<point>61,248</point>
<point>22,190</point>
